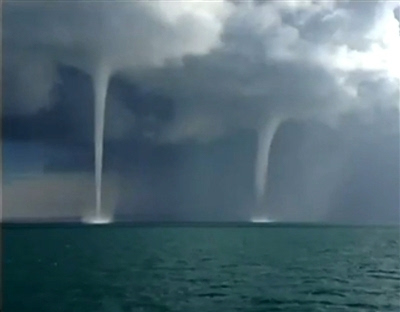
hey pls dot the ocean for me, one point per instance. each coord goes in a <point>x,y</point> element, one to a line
<point>49,268</point>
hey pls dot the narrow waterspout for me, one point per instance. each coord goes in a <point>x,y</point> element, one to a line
<point>100,85</point>
<point>266,135</point>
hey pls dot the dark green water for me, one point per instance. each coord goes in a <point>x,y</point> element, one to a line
<point>201,269</point>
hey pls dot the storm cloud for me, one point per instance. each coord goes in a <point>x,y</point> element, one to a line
<point>194,84</point>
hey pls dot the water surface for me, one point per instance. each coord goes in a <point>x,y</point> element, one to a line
<point>123,268</point>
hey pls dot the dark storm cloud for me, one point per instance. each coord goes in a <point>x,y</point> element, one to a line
<point>68,119</point>
<point>133,112</point>
<point>262,64</point>
<point>212,73</point>
<point>38,35</point>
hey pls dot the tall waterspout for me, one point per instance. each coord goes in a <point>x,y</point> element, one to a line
<point>100,85</point>
<point>266,135</point>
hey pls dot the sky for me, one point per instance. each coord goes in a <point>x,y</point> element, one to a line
<point>215,111</point>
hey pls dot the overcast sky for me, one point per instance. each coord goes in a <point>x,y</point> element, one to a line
<point>191,86</point>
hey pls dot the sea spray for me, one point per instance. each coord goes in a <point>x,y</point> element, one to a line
<point>266,135</point>
<point>100,85</point>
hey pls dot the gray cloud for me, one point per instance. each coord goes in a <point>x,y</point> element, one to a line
<point>204,73</point>
<point>83,34</point>
<point>254,60</point>
<point>266,67</point>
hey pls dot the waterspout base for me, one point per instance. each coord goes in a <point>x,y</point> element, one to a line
<point>261,220</point>
<point>97,220</point>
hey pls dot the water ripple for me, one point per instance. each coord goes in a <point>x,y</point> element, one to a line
<point>131,270</point>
